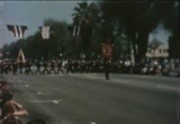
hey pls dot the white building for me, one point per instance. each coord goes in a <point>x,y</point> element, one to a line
<point>157,49</point>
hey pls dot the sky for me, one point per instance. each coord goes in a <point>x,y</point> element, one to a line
<point>160,34</point>
<point>32,14</point>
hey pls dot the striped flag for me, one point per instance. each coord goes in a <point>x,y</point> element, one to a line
<point>76,30</point>
<point>21,56</point>
<point>18,31</point>
<point>45,32</point>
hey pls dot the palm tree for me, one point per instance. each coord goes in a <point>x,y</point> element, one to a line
<point>86,15</point>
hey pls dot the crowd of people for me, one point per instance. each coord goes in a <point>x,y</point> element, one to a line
<point>151,67</point>
<point>10,109</point>
<point>162,67</point>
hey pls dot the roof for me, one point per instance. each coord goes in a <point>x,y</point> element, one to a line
<point>155,43</point>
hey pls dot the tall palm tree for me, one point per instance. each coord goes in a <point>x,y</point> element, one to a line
<point>86,15</point>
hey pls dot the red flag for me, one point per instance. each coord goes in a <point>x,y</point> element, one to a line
<point>18,31</point>
<point>107,50</point>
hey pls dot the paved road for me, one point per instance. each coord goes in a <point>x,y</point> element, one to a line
<point>89,99</point>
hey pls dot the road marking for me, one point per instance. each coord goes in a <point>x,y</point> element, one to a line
<point>21,86</point>
<point>100,77</point>
<point>18,86</point>
<point>167,87</point>
<point>121,81</point>
<point>93,123</point>
<point>41,93</point>
<point>36,93</point>
<point>55,75</point>
<point>19,81</point>
<point>57,101</point>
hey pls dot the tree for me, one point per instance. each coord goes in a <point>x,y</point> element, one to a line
<point>168,15</point>
<point>4,50</point>
<point>35,47</point>
<point>87,16</point>
<point>120,49</point>
<point>134,18</point>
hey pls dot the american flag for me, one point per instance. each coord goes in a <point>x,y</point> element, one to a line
<point>76,30</point>
<point>45,32</point>
<point>18,31</point>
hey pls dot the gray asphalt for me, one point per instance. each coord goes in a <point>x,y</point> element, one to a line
<point>90,99</point>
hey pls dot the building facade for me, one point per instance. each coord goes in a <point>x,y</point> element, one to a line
<point>157,49</point>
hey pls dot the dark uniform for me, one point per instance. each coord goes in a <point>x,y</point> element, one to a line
<point>106,68</point>
<point>14,67</point>
<point>6,68</point>
<point>52,67</point>
<point>20,67</point>
<point>69,67</point>
<point>28,67</point>
<point>59,65</point>
<point>45,65</point>
<point>38,66</point>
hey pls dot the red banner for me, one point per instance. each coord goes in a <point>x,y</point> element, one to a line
<point>106,51</point>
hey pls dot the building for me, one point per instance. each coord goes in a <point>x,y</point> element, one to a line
<point>157,49</point>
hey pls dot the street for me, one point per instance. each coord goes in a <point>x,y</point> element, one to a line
<point>90,99</point>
